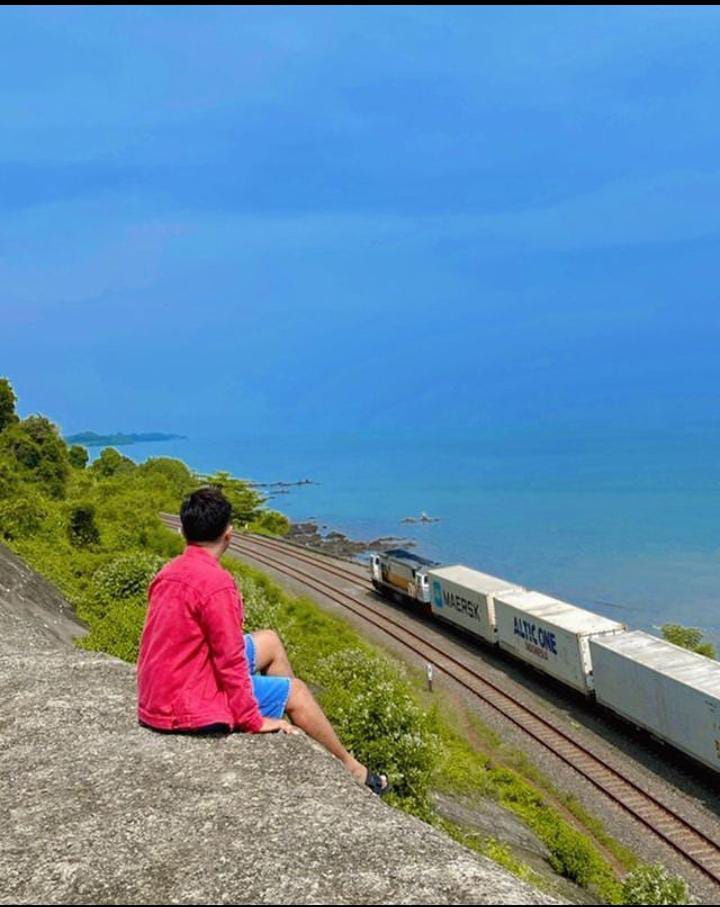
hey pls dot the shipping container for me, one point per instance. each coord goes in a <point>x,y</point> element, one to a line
<point>673,693</point>
<point>551,635</point>
<point>465,597</point>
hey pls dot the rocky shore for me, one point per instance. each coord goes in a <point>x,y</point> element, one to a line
<point>310,534</point>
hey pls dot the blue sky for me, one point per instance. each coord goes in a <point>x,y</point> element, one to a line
<point>329,218</point>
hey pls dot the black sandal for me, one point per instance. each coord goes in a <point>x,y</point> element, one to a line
<point>375,783</point>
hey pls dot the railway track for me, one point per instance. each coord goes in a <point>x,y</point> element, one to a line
<point>658,817</point>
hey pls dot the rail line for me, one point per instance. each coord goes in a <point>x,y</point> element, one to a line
<point>662,820</point>
<point>299,552</point>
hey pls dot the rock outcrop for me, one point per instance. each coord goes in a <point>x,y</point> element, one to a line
<point>98,810</point>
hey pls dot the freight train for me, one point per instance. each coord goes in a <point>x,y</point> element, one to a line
<point>672,693</point>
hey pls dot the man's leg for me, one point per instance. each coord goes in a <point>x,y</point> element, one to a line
<point>306,714</point>
<point>270,655</point>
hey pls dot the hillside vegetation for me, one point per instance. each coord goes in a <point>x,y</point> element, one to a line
<point>93,529</point>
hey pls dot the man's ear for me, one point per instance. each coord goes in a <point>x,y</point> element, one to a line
<point>229,533</point>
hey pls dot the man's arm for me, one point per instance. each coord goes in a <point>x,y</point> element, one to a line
<point>220,617</point>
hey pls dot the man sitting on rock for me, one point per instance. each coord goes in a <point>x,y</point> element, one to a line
<point>197,673</point>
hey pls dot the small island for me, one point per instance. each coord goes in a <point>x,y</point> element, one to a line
<point>119,439</point>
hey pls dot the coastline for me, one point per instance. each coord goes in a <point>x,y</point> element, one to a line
<point>318,537</point>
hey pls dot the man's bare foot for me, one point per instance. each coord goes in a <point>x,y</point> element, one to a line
<point>356,769</point>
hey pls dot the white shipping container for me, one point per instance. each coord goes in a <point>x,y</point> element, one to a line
<point>551,635</point>
<point>465,597</point>
<point>673,693</point>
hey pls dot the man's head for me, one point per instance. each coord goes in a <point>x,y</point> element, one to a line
<point>205,517</point>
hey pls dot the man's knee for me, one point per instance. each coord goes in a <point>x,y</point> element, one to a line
<point>299,693</point>
<point>267,644</point>
<point>272,642</point>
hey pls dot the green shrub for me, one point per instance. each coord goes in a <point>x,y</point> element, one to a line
<point>115,603</point>
<point>574,857</point>
<point>126,576</point>
<point>82,530</point>
<point>654,885</point>
<point>119,631</point>
<point>261,612</point>
<point>270,522</point>
<point>370,704</point>
<point>22,517</point>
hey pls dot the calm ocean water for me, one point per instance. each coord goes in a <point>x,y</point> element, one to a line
<point>625,524</point>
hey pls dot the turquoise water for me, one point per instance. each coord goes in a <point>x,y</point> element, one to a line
<point>627,524</point>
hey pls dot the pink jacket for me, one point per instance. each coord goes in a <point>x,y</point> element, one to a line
<point>192,670</point>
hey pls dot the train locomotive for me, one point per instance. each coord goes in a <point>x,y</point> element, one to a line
<point>402,575</point>
<point>670,692</point>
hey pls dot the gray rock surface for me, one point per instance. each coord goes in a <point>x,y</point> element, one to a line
<point>32,613</point>
<point>98,810</point>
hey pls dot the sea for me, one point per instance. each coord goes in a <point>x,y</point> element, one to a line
<point>623,521</point>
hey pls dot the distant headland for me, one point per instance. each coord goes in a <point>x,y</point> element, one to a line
<point>119,439</point>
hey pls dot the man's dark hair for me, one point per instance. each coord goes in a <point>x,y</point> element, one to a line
<point>205,515</point>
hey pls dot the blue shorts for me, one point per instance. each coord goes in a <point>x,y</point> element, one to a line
<point>271,692</point>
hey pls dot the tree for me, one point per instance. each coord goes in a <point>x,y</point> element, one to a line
<point>78,456</point>
<point>110,462</point>
<point>174,473</point>
<point>688,638</point>
<point>244,500</point>
<point>38,453</point>
<point>7,404</point>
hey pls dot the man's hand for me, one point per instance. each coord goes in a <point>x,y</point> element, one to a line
<point>273,725</point>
